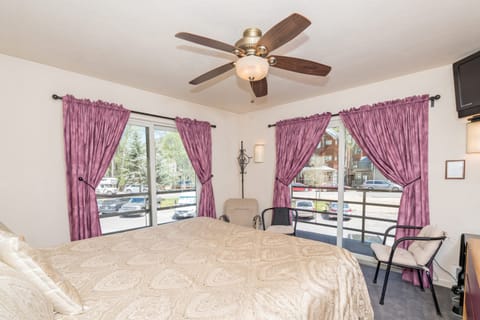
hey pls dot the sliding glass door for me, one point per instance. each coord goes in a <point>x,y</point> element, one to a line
<point>341,197</point>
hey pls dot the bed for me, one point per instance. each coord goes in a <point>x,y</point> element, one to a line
<point>204,268</point>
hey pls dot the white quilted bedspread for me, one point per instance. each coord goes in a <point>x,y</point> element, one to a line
<point>203,268</point>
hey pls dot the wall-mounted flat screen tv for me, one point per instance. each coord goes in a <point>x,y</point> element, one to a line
<point>466,74</point>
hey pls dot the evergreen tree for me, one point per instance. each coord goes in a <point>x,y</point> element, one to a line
<point>136,160</point>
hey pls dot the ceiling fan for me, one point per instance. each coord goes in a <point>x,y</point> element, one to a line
<point>253,51</point>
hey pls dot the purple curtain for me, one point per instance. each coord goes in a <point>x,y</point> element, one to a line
<point>296,140</point>
<point>394,135</point>
<point>92,131</point>
<point>197,140</point>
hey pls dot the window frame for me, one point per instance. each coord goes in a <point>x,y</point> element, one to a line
<point>151,124</point>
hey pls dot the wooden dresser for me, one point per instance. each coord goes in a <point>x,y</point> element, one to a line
<point>472,281</point>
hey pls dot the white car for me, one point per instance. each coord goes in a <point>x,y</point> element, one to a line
<point>135,188</point>
<point>106,188</point>
<point>134,204</point>
<point>187,206</point>
<point>305,205</point>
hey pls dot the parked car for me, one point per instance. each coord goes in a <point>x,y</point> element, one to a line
<point>305,205</point>
<point>106,187</point>
<point>380,185</point>
<point>184,184</point>
<point>135,188</point>
<point>111,205</point>
<point>188,209</point>
<point>333,209</point>
<point>134,204</point>
<point>332,187</point>
<point>297,186</point>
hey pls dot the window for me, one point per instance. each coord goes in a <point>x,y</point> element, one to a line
<point>147,180</point>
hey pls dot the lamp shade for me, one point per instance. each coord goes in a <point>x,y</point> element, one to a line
<point>259,153</point>
<point>252,68</point>
<point>473,137</point>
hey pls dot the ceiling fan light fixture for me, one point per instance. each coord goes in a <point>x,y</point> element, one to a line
<point>252,68</point>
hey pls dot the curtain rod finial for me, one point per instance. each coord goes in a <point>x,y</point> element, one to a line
<point>432,100</point>
<point>56,97</point>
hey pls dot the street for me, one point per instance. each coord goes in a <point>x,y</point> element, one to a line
<point>120,223</point>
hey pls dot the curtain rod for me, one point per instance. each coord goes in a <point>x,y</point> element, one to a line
<point>432,104</point>
<point>57,97</point>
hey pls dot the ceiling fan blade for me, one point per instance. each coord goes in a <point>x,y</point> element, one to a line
<point>260,87</point>
<point>284,31</point>
<point>213,73</point>
<point>301,66</point>
<point>207,42</point>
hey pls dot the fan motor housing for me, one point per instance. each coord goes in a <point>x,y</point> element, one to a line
<point>249,42</point>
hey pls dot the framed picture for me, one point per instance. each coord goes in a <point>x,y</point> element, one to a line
<point>455,169</point>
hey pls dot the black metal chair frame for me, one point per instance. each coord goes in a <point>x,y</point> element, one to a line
<point>419,268</point>
<point>295,217</point>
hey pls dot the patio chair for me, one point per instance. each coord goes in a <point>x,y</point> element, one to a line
<point>280,220</point>
<point>419,255</point>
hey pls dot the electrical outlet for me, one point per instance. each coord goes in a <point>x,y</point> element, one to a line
<point>454,270</point>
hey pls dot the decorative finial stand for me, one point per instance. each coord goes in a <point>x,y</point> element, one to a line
<point>243,161</point>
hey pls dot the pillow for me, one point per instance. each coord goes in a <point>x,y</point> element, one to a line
<point>23,258</point>
<point>20,298</point>
<point>5,228</point>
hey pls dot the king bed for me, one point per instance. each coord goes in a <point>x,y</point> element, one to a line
<point>204,268</point>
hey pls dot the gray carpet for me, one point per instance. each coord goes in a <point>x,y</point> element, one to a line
<point>404,301</point>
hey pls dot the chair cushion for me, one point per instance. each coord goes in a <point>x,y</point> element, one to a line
<point>29,261</point>
<point>232,205</point>
<point>241,211</point>
<point>401,256</point>
<point>20,298</point>
<point>240,218</point>
<point>281,229</point>
<point>424,250</point>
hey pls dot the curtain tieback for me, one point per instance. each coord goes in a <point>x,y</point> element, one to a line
<point>209,178</point>
<point>412,181</point>
<point>86,182</point>
<point>281,181</point>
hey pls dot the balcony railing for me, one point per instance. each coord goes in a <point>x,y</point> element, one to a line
<point>363,202</point>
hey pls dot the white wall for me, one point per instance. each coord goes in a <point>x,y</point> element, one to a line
<point>32,165</point>
<point>452,202</point>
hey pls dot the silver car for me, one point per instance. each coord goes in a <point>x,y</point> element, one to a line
<point>133,206</point>
<point>305,205</point>
<point>381,185</point>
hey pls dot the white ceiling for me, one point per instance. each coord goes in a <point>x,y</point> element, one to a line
<point>132,42</point>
